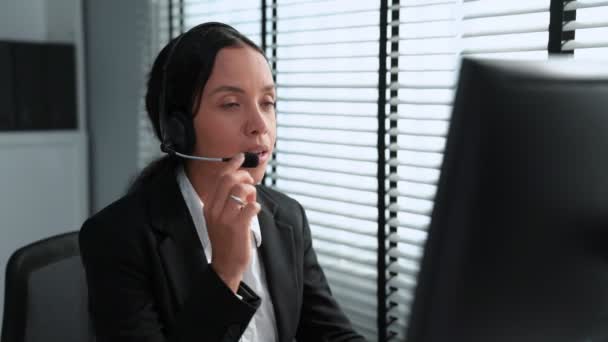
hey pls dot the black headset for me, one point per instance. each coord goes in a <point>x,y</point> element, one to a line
<point>176,125</point>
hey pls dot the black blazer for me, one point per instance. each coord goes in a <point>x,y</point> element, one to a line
<point>149,280</point>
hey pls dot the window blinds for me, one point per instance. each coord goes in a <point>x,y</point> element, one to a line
<point>423,59</point>
<point>505,29</point>
<point>244,15</point>
<point>325,61</point>
<point>590,28</point>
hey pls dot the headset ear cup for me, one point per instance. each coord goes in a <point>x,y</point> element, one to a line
<point>180,131</point>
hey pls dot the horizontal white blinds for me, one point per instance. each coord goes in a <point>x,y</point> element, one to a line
<point>590,28</point>
<point>421,79</point>
<point>326,68</point>
<point>433,36</point>
<point>244,15</point>
<point>503,29</point>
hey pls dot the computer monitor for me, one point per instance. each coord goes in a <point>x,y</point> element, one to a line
<point>517,247</point>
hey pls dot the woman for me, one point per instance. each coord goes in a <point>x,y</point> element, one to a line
<point>198,250</point>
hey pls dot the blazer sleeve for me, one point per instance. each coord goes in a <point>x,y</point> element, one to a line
<point>321,320</point>
<point>122,304</point>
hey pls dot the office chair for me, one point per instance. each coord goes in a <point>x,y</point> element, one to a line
<point>46,293</point>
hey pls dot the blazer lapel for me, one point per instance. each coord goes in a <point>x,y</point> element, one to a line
<point>278,256</point>
<point>180,250</point>
<point>183,256</point>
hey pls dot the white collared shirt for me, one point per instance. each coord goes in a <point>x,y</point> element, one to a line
<point>262,326</point>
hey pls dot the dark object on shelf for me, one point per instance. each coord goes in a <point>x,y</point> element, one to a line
<point>37,86</point>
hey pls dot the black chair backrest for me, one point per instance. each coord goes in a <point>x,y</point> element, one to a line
<point>46,293</point>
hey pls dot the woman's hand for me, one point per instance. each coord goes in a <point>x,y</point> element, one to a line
<point>228,222</point>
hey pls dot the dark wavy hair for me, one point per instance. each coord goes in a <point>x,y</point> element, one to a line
<point>187,73</point>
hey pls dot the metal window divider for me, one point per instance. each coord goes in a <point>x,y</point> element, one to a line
<point>381,173</point>
<point>558,18</point>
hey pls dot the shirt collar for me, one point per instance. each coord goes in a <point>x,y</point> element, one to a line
<point>195,207</point>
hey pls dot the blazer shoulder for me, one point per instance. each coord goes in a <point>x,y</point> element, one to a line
<point>286,207</point>
<point>122,218</point>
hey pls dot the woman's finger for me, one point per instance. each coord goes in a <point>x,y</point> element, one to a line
<point>225,184</point>
<point>239,196</point>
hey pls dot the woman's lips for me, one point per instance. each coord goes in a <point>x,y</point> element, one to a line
<point>263,156</point>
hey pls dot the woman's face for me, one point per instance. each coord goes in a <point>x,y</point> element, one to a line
<point>236,111</point>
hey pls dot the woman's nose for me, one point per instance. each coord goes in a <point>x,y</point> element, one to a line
<point>256,122</point>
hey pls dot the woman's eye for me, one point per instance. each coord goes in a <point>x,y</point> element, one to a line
<point>230,105</point>
<point>268,104</point>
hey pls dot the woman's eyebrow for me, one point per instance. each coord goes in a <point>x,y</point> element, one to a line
<point>227,88</point>
<point>235,89</point>
<point>268,88</point>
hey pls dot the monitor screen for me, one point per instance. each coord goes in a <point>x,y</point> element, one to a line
<point>517,247</point>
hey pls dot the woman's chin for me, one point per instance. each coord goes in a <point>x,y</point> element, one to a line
<point>257,174</point>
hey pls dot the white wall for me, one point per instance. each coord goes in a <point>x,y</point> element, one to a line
<point>23,20</point>
<point>116,33</point>
<point>38,20</point>
<point>60,18</point>
<point>44,186</point>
